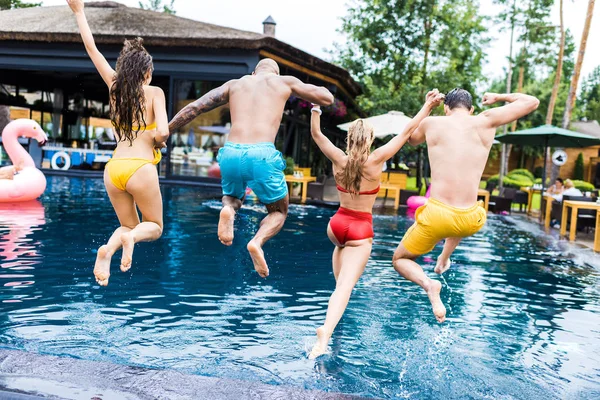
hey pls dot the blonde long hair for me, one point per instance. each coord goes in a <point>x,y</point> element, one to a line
<point>359,141</point>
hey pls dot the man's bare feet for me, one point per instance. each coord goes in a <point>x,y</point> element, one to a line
<point>440,269</point>
<point>320,347</point>
<point>102,267</point>
<point>433,292</point>
<point>226,220</point>
<point>127,257</point>
<point>258,258</point>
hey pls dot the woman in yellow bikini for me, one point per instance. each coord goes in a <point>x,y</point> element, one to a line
<point>139,117</point>
<point>357,174</point>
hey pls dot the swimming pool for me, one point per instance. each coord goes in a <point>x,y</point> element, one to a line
<point>523,311</point>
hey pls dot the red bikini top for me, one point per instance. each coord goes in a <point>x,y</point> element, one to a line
<point>374,191</point>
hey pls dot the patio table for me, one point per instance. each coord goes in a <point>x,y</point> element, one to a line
<point>486,198</point>
<point>303,180</point>
<point>575,207</point>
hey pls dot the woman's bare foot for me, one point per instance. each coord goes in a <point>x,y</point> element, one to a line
<point>258,258</point>
<point>433,292</point>
<point>102,267</point>
<point>440,269</point>
<point>320,347</point>
<point>127,257</point>
<point>226,220</point>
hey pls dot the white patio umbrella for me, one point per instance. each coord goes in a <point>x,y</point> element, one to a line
<point>392,123</point>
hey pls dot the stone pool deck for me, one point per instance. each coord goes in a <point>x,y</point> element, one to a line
<point>26,376</point>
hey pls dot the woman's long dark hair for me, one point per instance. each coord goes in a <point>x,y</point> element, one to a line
<point>128,102</point>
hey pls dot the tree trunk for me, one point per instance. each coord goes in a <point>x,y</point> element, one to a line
<point>559,65</point>
<point>503,157</point>
<point>520,84</point>
<point>428,30</point>
<point>575,79</point>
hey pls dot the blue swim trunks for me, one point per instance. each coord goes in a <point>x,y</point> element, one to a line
<point>258,166</point>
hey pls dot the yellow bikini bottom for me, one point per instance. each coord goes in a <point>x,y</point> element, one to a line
<point>120,170</point>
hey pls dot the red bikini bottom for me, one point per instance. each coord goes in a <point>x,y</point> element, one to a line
<point>348,225</point>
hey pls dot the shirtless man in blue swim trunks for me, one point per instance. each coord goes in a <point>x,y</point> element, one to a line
<point>249,158</point>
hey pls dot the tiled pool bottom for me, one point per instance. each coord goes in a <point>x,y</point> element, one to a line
<point>523,310</point>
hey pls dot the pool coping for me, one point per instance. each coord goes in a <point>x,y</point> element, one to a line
<point>131,382</point>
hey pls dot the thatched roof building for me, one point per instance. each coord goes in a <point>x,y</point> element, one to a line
<point>44,69</point>
<point>112,22</point>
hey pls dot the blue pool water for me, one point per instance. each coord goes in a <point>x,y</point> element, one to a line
<point>524,311</point>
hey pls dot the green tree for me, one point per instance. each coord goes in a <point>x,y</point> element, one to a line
<point>399,49</point>
<point>157,5</point>
<point>578,172</point>
<point>10,4</point>
<point>589,99</point>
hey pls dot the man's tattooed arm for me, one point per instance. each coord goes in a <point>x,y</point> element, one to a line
<point>211,100</point>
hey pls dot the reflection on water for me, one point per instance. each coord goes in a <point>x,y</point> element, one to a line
<point>523,311</point>
<point>18,251</point>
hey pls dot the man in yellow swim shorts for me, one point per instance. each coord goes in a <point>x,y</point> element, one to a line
<point>459,144</point>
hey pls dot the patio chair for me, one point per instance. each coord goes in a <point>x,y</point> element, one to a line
<point>490,186</point>
<point>502,202</point>
<point>521,199</point>
<point>315,189</point>
<point>597,176</point>
<point>405,194</point>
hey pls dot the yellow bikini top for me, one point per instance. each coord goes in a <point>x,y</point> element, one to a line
<point>150,127</point>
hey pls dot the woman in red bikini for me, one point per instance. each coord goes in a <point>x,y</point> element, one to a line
<point>357,174</point>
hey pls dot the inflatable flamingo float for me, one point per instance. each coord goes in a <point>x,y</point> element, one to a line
<point>30,182</point>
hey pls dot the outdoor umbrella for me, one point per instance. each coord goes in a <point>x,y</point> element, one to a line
<point>548,136</point>
<point>392,123</point>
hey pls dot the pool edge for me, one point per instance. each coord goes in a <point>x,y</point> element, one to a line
<point>142,383</point>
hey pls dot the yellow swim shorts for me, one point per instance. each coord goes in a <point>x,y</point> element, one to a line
<point>436,221</point>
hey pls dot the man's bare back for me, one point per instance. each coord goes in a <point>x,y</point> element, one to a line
<point>256,103</point>
<point>459,145</point>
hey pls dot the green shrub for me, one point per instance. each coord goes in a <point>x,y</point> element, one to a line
<point>522,172</point>
<point>578,173</point>
<point>493,180</point>
<point>289,168</point>
<point>583,185</point>
<point>516,181</point>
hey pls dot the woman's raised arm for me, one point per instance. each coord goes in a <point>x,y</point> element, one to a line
<point>387,151</point>
<point>103,67</point>
<point>334,154</point>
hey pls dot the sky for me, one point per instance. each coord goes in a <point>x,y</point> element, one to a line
<point>311,25</point>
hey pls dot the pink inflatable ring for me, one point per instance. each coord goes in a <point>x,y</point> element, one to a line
<point>415,202</point>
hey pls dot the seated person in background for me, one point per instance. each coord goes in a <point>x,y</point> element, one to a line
<point>556,189</point>
<point>569,189</point>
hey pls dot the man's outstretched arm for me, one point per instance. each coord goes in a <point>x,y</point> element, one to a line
<point>520,104</point>
<point>211,100</point>
<point>315,94</point>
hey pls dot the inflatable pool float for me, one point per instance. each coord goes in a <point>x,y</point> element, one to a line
<point>415,202</point>
<point>30,182</point>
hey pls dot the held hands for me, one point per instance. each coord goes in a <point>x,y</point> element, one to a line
<point>76,6</point>
<point>434,98</point>
<point>490,98</point>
